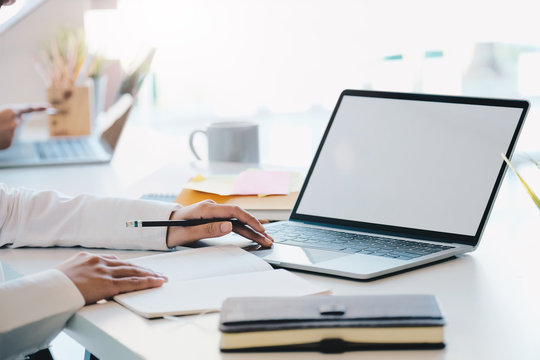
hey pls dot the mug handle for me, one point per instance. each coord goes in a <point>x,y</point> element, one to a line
<point>191,137</point>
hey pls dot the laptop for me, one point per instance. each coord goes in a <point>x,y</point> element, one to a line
<point>91,149</point>
<point>398,181</point>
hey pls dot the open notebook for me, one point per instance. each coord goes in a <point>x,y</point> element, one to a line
<point>201,279</point>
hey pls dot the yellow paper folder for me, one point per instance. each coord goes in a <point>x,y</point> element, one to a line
<point>271,207</point>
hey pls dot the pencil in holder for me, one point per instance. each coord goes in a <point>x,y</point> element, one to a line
<point>72,106</point>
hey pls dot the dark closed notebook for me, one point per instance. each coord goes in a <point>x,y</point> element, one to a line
<point>331,323</point>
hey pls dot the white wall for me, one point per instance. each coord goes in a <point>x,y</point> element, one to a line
<point>20,45</point>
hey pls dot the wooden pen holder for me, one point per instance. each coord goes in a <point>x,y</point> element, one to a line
<point>72,116</point>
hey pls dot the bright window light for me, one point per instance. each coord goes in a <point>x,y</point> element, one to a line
<point>238,57</point>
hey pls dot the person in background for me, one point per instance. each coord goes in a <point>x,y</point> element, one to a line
<point>35,308</point>
<point>9,120</point>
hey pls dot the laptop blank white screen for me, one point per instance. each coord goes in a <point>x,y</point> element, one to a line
<point>415,164</point>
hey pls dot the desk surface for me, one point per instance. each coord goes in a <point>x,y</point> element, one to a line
<point>489,298</point>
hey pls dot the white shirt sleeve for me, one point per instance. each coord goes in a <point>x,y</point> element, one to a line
<point>48,218</point>
<point>34,309</point>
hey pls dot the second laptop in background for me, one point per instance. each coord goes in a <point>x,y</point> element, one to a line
<point>74,149</point>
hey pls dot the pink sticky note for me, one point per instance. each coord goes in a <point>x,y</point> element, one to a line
<point>258,182</point>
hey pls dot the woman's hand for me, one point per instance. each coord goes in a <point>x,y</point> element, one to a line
<point>103,276</point>
<point>178,235</point>
<point>9,120</point>
<point>8,124</point>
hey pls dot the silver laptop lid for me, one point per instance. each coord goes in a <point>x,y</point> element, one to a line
<point>423,166</point>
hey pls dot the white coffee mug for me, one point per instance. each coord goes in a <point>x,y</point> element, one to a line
<point>230,141</point>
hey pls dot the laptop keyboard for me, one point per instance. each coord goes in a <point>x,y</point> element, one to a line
<point>63,148</point>
<point>285,233</point>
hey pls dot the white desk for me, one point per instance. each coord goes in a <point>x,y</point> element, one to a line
<point>490,298</point>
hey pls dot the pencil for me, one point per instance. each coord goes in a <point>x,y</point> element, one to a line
<point>190,222</point>
<point>46,110</point>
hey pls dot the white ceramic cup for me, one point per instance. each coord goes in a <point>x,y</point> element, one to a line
<point>230,141</point>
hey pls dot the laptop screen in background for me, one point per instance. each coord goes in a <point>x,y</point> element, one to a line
<point>416,164</point>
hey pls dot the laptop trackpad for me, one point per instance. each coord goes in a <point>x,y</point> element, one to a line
<point>318,260</point>
<point>296,255</point>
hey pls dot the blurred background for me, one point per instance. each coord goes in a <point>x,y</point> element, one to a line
<point>280,59</point>
<point>229,58</point>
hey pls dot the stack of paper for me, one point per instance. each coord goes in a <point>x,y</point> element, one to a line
<point>269,195</point>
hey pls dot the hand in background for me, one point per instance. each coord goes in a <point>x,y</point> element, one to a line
<point>103,276</point>
<point>178,235</point>
<point>9,120</point>
<point>8,124</point>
